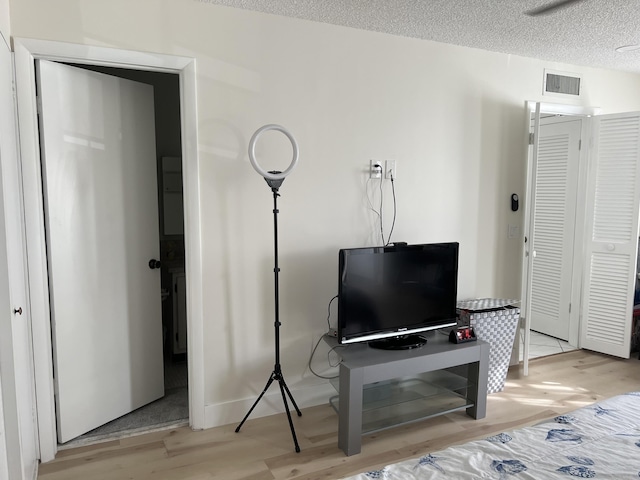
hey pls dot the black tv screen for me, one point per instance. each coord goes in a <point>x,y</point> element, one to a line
<point>396,290</point>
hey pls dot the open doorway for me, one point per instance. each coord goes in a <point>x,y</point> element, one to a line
<point>551,284</point>
<point>172,409</point>
<point>27,51</point>
<point>602,250</point>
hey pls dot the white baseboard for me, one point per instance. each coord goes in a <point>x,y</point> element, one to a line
<point>233,412</point>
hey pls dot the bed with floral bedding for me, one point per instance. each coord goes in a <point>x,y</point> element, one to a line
<point>598,441</point>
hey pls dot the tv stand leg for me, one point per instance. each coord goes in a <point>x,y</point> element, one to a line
<point>479,372</point>
<point>350,410</point>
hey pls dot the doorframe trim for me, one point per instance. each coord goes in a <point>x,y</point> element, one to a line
<point>536,108</point>
<point>26,52</point>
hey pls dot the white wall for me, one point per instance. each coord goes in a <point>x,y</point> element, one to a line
<point>4,47</point>
<point>5,26</point>
<point>4,300</point>
<point>5,328</point>
<point>4,464</point>
<point>452,118</point>
<point>9,436</point>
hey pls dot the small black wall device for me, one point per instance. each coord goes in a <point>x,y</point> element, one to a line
<point>514,202</point>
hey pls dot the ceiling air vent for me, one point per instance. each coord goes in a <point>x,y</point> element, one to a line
<point>561,83</point>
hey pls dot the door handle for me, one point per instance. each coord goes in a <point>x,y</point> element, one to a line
<point>153,263</point>
<point>17,310</point>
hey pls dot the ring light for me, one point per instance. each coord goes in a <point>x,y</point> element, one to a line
<point>252,152</point>
<point>274,179</point>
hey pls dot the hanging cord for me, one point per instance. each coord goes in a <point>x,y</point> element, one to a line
<point>381,207</point>
<point>329,312</point>
<point>380,211</point>
<point>373,209</point>
<point>332,349</point>
<point>393,224</point>
<point>328,361</point>
<point>328,353</point>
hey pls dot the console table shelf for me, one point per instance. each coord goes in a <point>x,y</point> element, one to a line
<point>380,389</point>
<point>405,400</point>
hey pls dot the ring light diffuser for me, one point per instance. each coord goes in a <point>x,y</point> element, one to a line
<point>252,152</point>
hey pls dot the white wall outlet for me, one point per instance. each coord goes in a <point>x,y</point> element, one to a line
<point>390,169</point>
<point>375,169</point>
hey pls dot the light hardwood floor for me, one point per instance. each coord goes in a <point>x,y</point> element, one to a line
<point>263,449</point>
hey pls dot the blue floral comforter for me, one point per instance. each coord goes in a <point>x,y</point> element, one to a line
<point>598,441</point>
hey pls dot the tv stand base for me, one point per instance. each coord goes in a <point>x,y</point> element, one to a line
<point>362,367</point>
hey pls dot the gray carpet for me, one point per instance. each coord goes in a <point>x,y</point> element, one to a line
<point>172,409</point>
<point>175,375</point>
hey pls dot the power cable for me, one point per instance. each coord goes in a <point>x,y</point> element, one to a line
<point>393,223</point>
<point>318,343</point>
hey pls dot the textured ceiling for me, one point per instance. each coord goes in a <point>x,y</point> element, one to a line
<point>584,33</point>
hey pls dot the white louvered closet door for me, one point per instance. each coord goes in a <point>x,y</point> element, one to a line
<point>552,236</point>
<point>611,234</point>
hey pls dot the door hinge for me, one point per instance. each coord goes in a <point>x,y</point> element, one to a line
<point>580,144</point>
<point>175,288</point>
<point>569,308</point>
<point>531,139</point>
<point>39,105</point>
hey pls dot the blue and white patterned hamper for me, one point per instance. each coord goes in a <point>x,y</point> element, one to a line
<point>495,321</point>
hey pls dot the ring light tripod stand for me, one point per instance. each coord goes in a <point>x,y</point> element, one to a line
<point>274,179</point>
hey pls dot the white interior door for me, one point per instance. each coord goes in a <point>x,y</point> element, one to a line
<point>611,234</point>
<point>100,194</point>
<point>552,234</point>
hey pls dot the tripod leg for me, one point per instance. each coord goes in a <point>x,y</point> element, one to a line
<point>293,402</point>
<point>269,382</point>
<point>286,408</point>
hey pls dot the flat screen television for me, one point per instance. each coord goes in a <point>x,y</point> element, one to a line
<point>386,295</point>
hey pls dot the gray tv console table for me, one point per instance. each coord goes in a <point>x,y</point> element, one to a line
<point>379,389</point>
